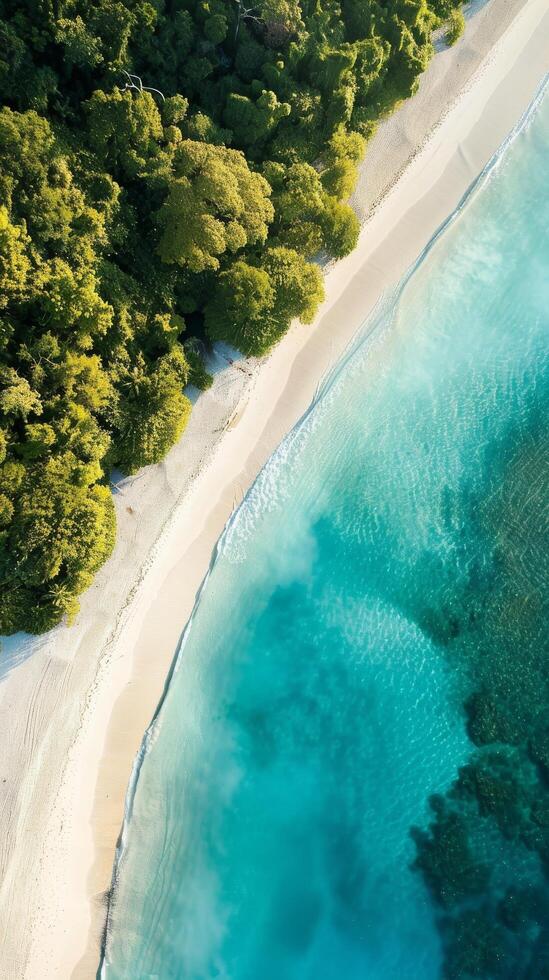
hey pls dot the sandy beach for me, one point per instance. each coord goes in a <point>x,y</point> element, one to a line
<point>75,704</point>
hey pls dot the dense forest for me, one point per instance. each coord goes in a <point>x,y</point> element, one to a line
<point>169,172</point>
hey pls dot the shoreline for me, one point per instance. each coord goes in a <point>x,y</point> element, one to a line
<point>362,339</point>
<point>74,853</point>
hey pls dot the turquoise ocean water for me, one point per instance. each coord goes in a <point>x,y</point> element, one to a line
<point>313,708</point>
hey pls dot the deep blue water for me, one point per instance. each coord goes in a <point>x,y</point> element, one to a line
<point>313,709</point>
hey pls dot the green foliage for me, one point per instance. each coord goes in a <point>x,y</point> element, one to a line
<point>252,121</point>
<point>340,227</point>
<point>152,410</point>
<point>345,150</point>
<point>281,21</point>
<point>215,204</point>
<point>17,399</point>
<point>215,28</point>
<point>124,130</point>
<point>307,218</point>
<point>82,48</point>
<point>456,26</point>
<point>14,260</point>
<point>241,310</point>
<point>254,306</point>
<point>159,160</point>
<point>340,178</point>
<point>298,285</point>
<point>199,377</point>
<point>61,531</point>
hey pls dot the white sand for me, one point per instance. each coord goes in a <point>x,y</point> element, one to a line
<point>75,704</point>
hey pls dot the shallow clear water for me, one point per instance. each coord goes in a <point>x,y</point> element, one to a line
<point>312,711</point>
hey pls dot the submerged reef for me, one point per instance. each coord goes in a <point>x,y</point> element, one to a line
<point>485,853</point>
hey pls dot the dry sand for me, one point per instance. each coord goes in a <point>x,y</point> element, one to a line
<point>75,704</point>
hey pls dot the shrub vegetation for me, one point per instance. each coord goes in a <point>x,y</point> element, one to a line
<point>455,27</point>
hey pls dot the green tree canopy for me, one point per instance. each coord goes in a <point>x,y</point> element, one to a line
<point>124,130</point>
<point>253,307</point>
<point>152,410</point>
<point>15,263</point>
<point>298,284</point>
<point>240,311</point>
<point>215,204</point>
